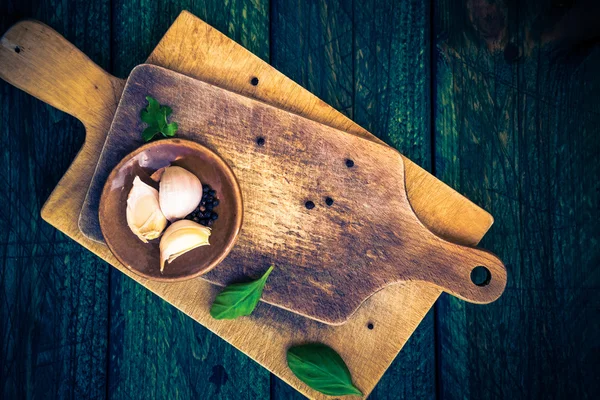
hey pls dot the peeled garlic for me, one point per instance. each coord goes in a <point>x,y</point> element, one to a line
<point>144,217</point>
<point>180,192</point>
<point>181,237</point>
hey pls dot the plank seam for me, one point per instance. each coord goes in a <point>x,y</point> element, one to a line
<point>110,270</point>
<point>432,134</point>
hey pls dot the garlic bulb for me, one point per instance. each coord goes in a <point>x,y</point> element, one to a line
<point>181,237</point>
<point>180,192</point>
<point>144,217</point>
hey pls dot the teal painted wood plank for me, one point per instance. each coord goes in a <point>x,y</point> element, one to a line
<point>370,60</point>
<point>392,86</point>
<point>156,351</point>
<point>53,293</point>
<point>392,74</point>
<point>517,125</point>
<point>312,44</point>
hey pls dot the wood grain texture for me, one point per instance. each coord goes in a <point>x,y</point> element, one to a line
<point>53,293</point>
<point>392,87</point>
<point>147,334</point>
<point>517,121</point>
<point>328,259</point>
<point>270,322</point>
<point>433,202</point>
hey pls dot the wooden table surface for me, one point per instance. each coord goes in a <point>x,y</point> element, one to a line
<point>499,101</point>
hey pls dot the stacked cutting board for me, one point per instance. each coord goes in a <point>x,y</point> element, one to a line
<point>51,69</point>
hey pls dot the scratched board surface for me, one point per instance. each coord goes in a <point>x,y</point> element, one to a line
<point>515,128</point>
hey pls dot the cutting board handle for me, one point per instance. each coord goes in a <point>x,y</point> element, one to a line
<point>38,60</point>
<point>469,273</point>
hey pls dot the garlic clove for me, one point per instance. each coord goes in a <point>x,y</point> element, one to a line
<point>144,217</point>
<point>181,237</point>
<point>180,192</point>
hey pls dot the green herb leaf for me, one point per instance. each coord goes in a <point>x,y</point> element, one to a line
<point>239,299</point>
<point>153,105</point>
<point>321,368</point>
<point>170,129</point>
<point>149,133</point>
<point>155,116</point>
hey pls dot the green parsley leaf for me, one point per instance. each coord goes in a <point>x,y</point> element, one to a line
<point>155,116</point>
<point>239,299</point>
<point>171,129</point>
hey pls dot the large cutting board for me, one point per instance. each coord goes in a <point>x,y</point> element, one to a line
<point>328,259</point>
<point>51,69</point>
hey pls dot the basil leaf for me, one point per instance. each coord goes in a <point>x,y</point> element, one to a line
<point>321,368</point>
<point>239,299</point>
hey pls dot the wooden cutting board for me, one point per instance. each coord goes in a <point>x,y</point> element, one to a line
<point>328,259</point>
<point>51,69</point>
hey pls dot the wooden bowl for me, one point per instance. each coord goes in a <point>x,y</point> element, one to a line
<point>143,258</point>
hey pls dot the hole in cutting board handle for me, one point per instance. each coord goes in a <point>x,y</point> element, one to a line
<point>481,276</point>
